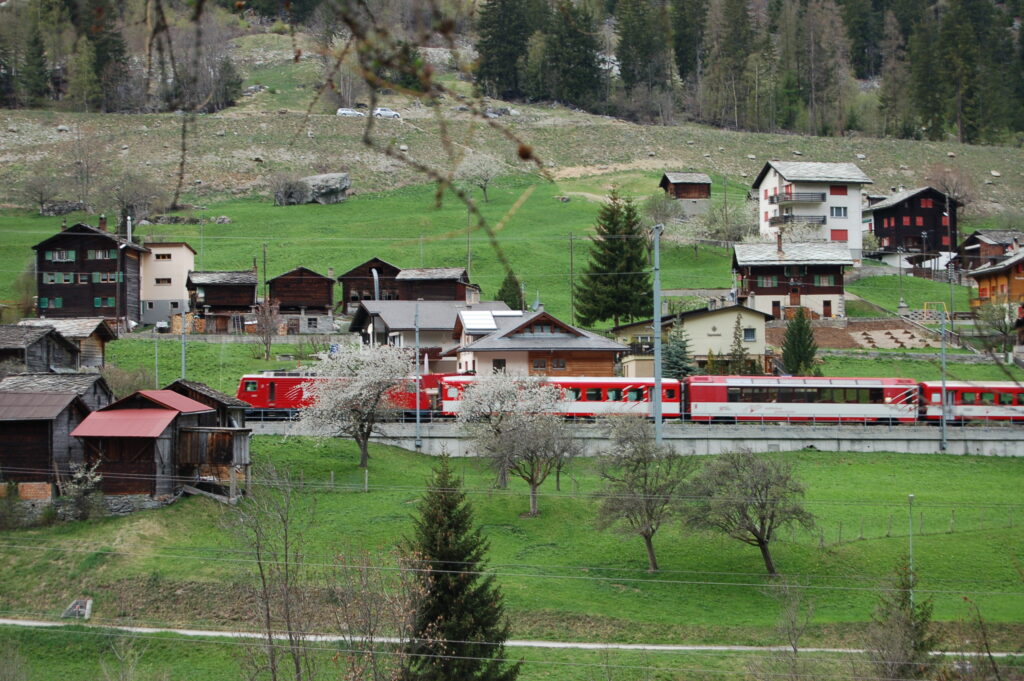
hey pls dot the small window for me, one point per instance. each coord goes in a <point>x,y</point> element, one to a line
<point>174,304</point>
<point>614,395</point>
<point>635,395</point>
<point>573,394</point>
<point>149,304</point>
<point>250,386</point>
<point>670,393</point>
<point>734,395</point>
<point>163,256</point>
<point>593,394</point>
<point>919,221</point>
<point>837,212</point>
<point>945,221</point>
<point>557,363</point>
<point>453,393</point>
<point>540,364</point>
<point>945,240</point>
<point>749,335</point>
<point>44,303</point>
<point>63,255</point>
<point>927,203</point>
<point>1006,399</point>
<point>968,398</point>
<point>163,281</point>
<point>988,399</point>
<point>311,323</point>
<point>83,277</point>
<point>906,221</point>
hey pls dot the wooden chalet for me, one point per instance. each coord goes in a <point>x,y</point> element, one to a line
<point>220,300</point>
<point>1001,283</point>
<point>377,279</point>
<point>988,247</point>
<point>38,348</point>
<point>92,388</point>
<point>90,334</point>
<point>306,300</point>
<point>686,185</point>
<point>86,271</point>
<point>535,343</point>
<point>153,443</point>
<point>778,278</point>
<point>915,221</point>
<point>38,449</point>
<point>229,410</point>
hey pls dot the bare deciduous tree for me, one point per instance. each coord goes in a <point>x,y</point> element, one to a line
<point>41,186</point>
<point>952,182</point>
<point>900,641</point>
<point>749,497</point>
<point>996,321</point>
<point>511,421</point>
<point>134,195</point>
<point>795,614</point>
<point>479,170</point>
<point>268,322</point>
<point>642,482</point>
<point>356,393</point>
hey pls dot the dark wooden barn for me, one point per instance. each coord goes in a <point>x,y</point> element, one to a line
<point>37,348</point>
<point>302,289</point>
<point>229,410</point>
<point>35,429</point>
<point>86,271</point>
<point>372,280</point>
<point>222,299</point>
<point>92,388</point>
<point>915,221</point>
<point>377,279</point>
<point>90,334</point>
<point>153,442</point>
<point>686,185</point>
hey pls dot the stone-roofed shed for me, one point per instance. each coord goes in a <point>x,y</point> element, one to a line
<point>686,185</point>
<point>90,334</point>
<point>230,411</point>
<point>91,387</point>
<point>35,429</point>
<point>38,348</point>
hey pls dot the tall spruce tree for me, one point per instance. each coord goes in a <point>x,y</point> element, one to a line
<point>925,63</point>
<point>35,77</point>
<point>460,627</point>
<point>573,74</point>
<point>798,346</point>
<point>644,41</point>
<point>739,358</point>
<point>504,31</point>
<point>677,361</point>
<point>511,292</point>
<point>616,284</point>
<point>83,85</point>
<point>688,18</point>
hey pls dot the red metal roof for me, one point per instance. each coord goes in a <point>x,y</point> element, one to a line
<point>173,400</point>
<point>125,423</point>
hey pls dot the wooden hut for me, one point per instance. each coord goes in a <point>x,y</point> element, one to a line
<point>38,348</point>
<point>90,334</point>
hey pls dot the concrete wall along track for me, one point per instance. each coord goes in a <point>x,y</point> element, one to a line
<point>702,439</point>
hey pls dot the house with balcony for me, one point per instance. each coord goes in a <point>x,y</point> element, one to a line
<point>1001,283</point>
<point>918,225</point>
<point>709,330</point>
<point>164,276</point>
<point>378,279</point>
<point>823,197</point>
<point>987,247</point>
<point>221,301</point>
<point>778,278</point>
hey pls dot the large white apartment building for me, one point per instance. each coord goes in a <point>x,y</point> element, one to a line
<point>824,196</point>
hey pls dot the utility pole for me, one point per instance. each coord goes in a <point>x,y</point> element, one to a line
<point>656,324</point>
<point>572,284</point>
<point>942,332</point>
<point>910,502</point>
<point>416,324</point>
<point>264,271</point>
<point>949,263</point>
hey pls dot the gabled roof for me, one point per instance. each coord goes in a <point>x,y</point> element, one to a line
<point>247,277</point>
<point>82,228</point>
<point>175,401</point>
<point>125,423</point>
<point>900,197</point>
<point>76,327</point>
<point>79,384</point>
<point>301,269</point>
<point>804,171</point>
<point>33,406</point>
<point>345,275</point>
<point>207,391</point>
<point>670,319</point>
<point>432,273</point>
<point>999,266</point>
<point>998,237</point>
<point>813,253</point>
<point>566,338</point>
<point>13,336</point>
<point>399,315</point>
<point>686,178</point>
<point>165,244</point>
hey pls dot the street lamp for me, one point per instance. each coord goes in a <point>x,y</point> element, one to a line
<point>899,255</point>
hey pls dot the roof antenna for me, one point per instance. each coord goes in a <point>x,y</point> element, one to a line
<point>537,305</point>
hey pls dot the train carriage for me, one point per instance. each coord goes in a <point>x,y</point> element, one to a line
<point>730,399</point>
<point>586,397</point>
<point>282,393</point>
<point>973,401</point>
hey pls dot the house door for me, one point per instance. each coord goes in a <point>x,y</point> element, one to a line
<point>497,365</point>
<point>794,296</point>
<point>777,309</point>
<point>826,308</point>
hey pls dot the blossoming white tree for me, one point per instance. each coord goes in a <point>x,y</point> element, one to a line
<point>357,393</point>
<point>511,420</point>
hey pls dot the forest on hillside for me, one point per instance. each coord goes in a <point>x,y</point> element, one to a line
<point>945,69</point>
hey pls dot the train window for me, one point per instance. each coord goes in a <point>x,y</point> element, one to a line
<point>757,395</point>
<point>573,394</point>
<point>968,398</point>
<point>593,394</point>
<point>877,395</point>
<point>453,393</point>
<point>1006,399</point>
<point>250,386</point>
<point>987,398</point>
<point>785,395</point>
<point>851,395</point>
<point>670,393</point>
<point>614,394</point>
<point>805,395</point>
<point>635,395</point>
<point>734,394</point>
<point>272,394</point>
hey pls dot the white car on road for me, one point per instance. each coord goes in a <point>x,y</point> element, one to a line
<point>384,112</point>
<point>351,113</point>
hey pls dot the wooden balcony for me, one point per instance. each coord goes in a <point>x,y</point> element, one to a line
<point>797,197</point>
<point>791,219</point>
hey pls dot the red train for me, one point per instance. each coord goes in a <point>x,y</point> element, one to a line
<point>718,399</point>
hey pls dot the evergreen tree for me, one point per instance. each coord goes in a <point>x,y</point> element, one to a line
<point>83,85</point>
<point>460,627</point>
<point>573,74</point>
<point>35,77</point>
<point>643,48</point>
<point>961,62</point>
<point>894,98</point>
<point>616,283</point>
<point>688,18</point>
<point>511,293</point>
<point>711,367</point>
<point>677,362</point>
<point>739,358</point>
<point>900,641</point>
<point>98,22</point>
<point>925,63</point>
<point>504,31</point>
<point>862,30</point>
<point>798,347</point>
<point>728,36</point>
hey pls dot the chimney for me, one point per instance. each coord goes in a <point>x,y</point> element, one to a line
<point>103,223</point>
<point>778,241</point>
<point>330,273</point>
<point>64,224</point>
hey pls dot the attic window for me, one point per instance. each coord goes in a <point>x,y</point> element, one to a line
<point>163,256</point>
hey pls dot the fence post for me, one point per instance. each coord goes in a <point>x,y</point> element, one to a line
<point>821,539</point>
<point>366,479</point>
<point>332,479</point>
<point>302,479</point>
<point>920,522</point>
<point>888,532</point>
<point>840,532</point>
<point>952,521</point>
<point>861,527</point>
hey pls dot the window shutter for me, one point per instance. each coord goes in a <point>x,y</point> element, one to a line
<point>71,255</point>
<point>97,302</point>
<point>95,277</point>
<point>120,277</point>
<point>43,303</point>
<point>110,302</point>
<point>58,302</point>
<point>48,255</point>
